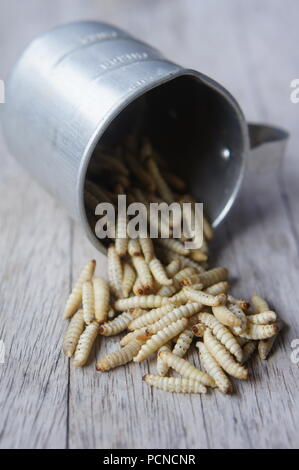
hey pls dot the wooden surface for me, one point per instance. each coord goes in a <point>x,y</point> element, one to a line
<point>251,47</point>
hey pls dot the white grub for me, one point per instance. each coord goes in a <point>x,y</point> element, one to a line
<point>117,325</point>
<point>184,311</point>
<point>226,317</point>
<point>75,297</point>
<point>73,333</point>
<point>141,334</point>
<point>119,357</point>
<point>85,344</point>
<point>259,303</point>
<point>134,248</point>
<point>222,334</point>
<point>263,318</point>
<point>143,272</point>
<point>150,317</point>
<point>213,276</point>
<point>121,238</point>
<point>160,338</point>
<point>147,247</point>
<point>173,245</point>
<point>204,298</point>
<point>162,367</point>
<point>212,367</point>
<point>223,357</point>
<point>174,384</point>
<point>114,271</point>
<point>146,301</point>
<point>129,277</point>
<point>101,299</point>
<point>218,288</point>
<point>159,273</point>
<point>173,268</point>
<point>186,369</point>
<point>88,302</point>
<point>258,332</point>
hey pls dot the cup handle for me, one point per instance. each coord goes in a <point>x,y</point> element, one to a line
<point>267,147</point>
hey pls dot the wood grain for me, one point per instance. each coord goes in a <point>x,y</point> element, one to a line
<point>252,49</point>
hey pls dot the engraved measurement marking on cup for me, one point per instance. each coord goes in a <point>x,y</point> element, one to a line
<point>123,59</point>
<point>145,81</point>
<point>96,37</point>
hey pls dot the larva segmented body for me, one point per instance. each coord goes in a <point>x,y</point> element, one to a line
<point>186,369</point>
<point>121,238</point>
<point>190,263</point>
<point>213,276</point>
<point>150,317</point>
<point>204,298</point>
<point>85,344</point>
<point>263,318</point>
<point>219,288</point>
<point>114,270</point>
<point>223,357</point>
<point>101,299</point>
<point>191,280</point>
<point>159,273</point>
<point>162,187</point>
<point>119,357</point>
<point>143,272</point>
<point>259,303</point>
<point>117,325</point>
<point>179,299</point>
<point>184,311</point>
<point>198,255</point>
<point>88,302</point>
<point>207,229</point>
<point>73,333</point>
<point>174,384</point>
<point>173,268</point>
<point>147,248</point>
<point>129,277</point>
<point>238,312</point>
<point>212,367</point>
<point>134,247</point>
<point>146,301</point>
<point>173,245</point>
<point>75,297</point>
<point>248,350</point>
<point>225,316</point>
<point>222,334</point>
<point>265,346</point>
<point>162,367</point>
<point>239,302</point>
<point>167,291</point>
<point>160,338</point>
<point>140,333</point>
<point>260,331</point>
<point>139,288</point>
<point>185,338</point>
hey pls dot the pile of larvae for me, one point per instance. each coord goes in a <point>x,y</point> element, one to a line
<point>161,296</point>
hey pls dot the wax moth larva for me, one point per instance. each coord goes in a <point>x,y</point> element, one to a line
<point>134,247</point>
<point>162,367</point>
<point>159,273</point>
<point>223,357</point>
<point>212,367</point>
<point>226,317</point>
<point>174,384</point>
<point>146,301</point>
<point>101,299</point>
<point>204,298</point>
<point>129,277</point>
<point>85,344</point>
<point>73,333</point>
<point>119,357</point>
<point>88,302</point>
<point>263,318</point>
<point>114,271</point>
<point>147,248</point>
<point>75,298</point>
